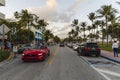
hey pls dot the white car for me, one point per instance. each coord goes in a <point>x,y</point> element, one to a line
<point>75,47</point>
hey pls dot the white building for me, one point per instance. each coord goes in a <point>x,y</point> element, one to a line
<point>2,3</point>
<point>37,33</point>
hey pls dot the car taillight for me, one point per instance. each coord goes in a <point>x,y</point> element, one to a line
<point>87,48</point>
<point>98,49</point>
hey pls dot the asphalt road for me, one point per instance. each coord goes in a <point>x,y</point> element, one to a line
<point>63,64</point>
<point>109,69</point>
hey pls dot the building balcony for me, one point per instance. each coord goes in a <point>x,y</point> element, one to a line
<point>2,2</point>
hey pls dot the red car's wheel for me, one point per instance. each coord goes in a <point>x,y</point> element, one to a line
<point>49,53</point>
<point>44,57</point>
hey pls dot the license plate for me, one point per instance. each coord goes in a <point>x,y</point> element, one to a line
<point>92,48</point>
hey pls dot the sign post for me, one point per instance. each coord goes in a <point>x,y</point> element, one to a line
<point>3,38</point>
<point>3,29</point>
<point>15,49</point>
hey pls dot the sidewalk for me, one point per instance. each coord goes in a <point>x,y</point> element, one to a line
<point>110,56</point>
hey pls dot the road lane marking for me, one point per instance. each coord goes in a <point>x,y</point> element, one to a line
<point>53,56</point>
<point>109,72</point>
<point>106,77</point>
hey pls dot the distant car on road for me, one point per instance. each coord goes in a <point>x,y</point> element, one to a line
<point>36,54</point>
<point>89,48</point>
<point>62,44</point>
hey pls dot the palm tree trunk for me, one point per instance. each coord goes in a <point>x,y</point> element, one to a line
<point>107,29</point>
<point>111,33</point>
<point>102,35</point>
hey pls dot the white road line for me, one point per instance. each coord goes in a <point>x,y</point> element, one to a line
<point>109,72</point>
<point>106,77</point>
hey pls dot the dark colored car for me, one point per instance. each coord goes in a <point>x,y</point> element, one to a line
<point>23,48</point>
<point>89,48</point>
<point>62,45</point>
<point>37,54</point>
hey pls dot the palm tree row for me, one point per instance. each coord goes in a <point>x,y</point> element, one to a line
<point>104,23</point>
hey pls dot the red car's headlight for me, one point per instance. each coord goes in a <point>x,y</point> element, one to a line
<point>23,54</point>
<point>40,54</point>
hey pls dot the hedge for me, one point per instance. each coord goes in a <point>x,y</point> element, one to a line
<point>4,55</point>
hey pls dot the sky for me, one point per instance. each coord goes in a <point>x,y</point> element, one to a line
<point>58,13</point>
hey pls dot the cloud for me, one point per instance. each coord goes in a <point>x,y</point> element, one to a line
<point>50,12</point>
<point>51,3</point>
<point>75,5</point>
<point>63,31</point>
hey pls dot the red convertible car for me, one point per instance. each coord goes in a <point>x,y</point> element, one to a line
<point>39,53</point>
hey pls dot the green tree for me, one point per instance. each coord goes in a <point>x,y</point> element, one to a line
<point>102,24</point>
<point>48,35</point>
<point>105,11</point>
<point>89,29</point>
<point>57,39</point>
<point>83,24</point>
<point>25,19</point>
<point>42,26</point>
<point>23,34</point>
<point>76,27</point>
<point>92,17</point>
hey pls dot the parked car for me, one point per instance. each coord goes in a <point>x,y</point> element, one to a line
<point>89,48</point>
<point>75,46</point>
<point>36,54</point>
<point>24,47</point>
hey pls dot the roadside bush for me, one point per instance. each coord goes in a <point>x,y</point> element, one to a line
<point>108,48</point>
<point>4,55</point>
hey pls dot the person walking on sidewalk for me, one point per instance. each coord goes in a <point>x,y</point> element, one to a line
<point>115,48</point>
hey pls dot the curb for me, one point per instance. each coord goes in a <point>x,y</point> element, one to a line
<point>111,59</point>
<point>10,57</point>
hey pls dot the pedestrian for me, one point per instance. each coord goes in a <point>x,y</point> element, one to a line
<point>9,45</point>
<point>5,46</point>
<point>115,48</point>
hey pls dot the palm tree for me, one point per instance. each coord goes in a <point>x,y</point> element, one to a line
<point>48,35</point>
<point>42,26</point>
<point>75,22</point>
<point>113,19</point>
<point>76,27</point>
<point>102,24</point>
<point>104,33</point>
<point>97,23</point>
<point>25,19</point>
<point>83,24</point>
<point>105,11</point>
<point>89,28</point>
<point>92,17</point>
<point>94,27</point>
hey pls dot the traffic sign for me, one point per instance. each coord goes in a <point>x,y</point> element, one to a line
<point>6,29</point>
